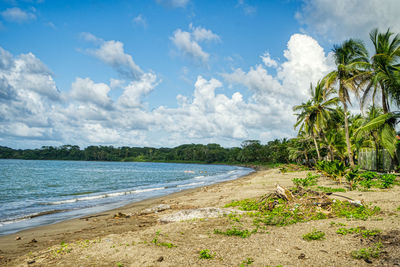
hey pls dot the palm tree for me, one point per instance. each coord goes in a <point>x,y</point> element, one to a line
<point>384,71</point>
<point>350,57</point>
<point>315,112</point>
<point>382,129</point>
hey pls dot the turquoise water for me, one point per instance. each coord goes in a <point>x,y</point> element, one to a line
<point>34,193</point>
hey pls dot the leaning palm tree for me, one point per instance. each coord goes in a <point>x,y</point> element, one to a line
<point>350,58</point>
<point>315,112</point>
<point>384,70</point>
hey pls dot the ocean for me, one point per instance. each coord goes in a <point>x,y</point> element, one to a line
<point>41,192</point>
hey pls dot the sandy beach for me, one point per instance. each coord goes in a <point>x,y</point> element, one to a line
<point>137,234</point>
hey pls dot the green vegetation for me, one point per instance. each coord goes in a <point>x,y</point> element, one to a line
<point>251,151</point>
<point>162,244</point>
<point>326,128</point>
<point>368,253</point>
<point>358,230</point>
<point>314,235</point>
<point>330,189</point>
<point>246,262</point>
<point>281,213</point>
<point>349,211</point>
<point>235,232</point>
<point>206,254</point>
<point>308,181</point>
<point>63,248</point>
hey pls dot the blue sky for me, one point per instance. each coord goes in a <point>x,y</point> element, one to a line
<point>167,72</point>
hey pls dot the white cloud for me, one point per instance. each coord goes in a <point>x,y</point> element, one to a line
<point>86,91</point>
<point>275,95</point>
<point>112,53</point>
<point>188,42</point>
<point>16,14</point>
<point>268,61</point>
<point>140,20</point>
<point>200,34</point>
<point>86,115</point>
<point>174,3</point>
<point>342,19</point>
<point>89,37</point>
<point>135,90</point>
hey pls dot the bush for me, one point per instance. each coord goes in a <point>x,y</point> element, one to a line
<point>387,180</point>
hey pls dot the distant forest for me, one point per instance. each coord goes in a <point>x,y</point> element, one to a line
<point>251,151</point>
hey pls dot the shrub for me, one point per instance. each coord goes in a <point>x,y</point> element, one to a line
<point>387,180</point>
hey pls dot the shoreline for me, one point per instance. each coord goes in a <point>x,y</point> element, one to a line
<point>130,236</point>
<point>49,232</point>
<point>50,211</point>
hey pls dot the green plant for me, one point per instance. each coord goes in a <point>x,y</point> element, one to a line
<point>163,244</point>
<point>308,181</point>
<point>246,262</point>
<point>63,249</point>
<point>205,254</point>
<point>358,230</point>
<point>234,232</point>
<point>352,175</point>
<point>368,253</point>
<point>119,264</point>
<point>330,189</point>
<point>246,204</point>
<point>314,235</point>
<point>387,180</point>
<point>349,211</point>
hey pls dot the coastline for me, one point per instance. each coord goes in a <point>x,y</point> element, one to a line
<point>142,239</point>
<point>74,229</point>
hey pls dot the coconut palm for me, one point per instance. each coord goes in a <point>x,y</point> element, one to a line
<point>384,71</point>
<point>350,58</point>
<point>315,112</point>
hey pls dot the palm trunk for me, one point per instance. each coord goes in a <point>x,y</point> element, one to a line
<point>346,130</point>
<point>316,147</point>
<point>384,102</point>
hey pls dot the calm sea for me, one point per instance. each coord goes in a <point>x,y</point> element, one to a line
<point>34,193</point>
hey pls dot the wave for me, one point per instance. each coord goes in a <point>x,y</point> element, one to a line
<point>116,194</point>
<point>31,216</point>
<point>200,177</point>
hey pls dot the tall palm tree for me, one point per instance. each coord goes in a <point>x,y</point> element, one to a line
<point>384,71</point>
<point>315,112</point>
<point>350,57</point>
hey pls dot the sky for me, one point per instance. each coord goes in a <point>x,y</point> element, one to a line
<point>163,73</point>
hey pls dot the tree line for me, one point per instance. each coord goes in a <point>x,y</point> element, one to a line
<point>251,151</point>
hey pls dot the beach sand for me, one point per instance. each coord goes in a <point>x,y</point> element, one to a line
<point>142,240</point>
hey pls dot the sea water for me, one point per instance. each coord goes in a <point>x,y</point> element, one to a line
<point>39,192</point>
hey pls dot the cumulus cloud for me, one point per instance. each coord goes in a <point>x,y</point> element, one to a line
<point>136,90</point>
<point>86,91</point>
<point>16,14</point>
<point>342,19</point>
<point>276,94</point>
<point>188,42</point>
<point>86,115</point>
